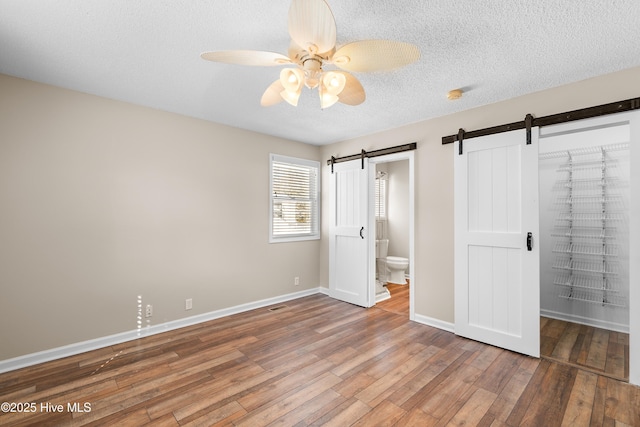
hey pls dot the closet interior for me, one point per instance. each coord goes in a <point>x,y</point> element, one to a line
<point>584,233</point>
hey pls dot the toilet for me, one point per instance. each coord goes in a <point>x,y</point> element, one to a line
<point>397,266</point>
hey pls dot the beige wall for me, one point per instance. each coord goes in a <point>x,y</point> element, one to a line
<point>433,267</point>
<point>102,201</point>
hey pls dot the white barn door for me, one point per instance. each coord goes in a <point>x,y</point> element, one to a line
<point>348,234</point>
<point>497,286</point>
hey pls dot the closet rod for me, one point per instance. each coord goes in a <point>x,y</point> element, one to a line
<point>554,119</point>
<point>374,153</point>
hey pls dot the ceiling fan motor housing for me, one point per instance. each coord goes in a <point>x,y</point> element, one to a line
<point>312,66</point>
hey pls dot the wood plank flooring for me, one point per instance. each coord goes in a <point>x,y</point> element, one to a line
<point>597,350</point>
<point>399,301</point>
<point>317,361</point>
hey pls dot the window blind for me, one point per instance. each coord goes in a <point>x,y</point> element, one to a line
<point>381,198</point>
<point>294,198</point>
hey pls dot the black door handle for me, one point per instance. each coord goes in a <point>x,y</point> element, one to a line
<point>361,230</point>
<point>529,241</point>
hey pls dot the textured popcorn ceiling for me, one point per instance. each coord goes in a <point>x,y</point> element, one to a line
<point>147,52</point>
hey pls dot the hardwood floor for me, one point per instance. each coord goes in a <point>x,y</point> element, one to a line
<point>597,350</point>
<point>399,301</point>
<point>316,361</point>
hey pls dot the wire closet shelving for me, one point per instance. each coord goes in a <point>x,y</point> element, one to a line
<point>590,218</point>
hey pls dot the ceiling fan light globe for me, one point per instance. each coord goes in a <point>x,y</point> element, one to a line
<point>312,78</point>
<point>334,82</point>
<point>291,97</point>
<point>291,79</point>
<point>327,100</point>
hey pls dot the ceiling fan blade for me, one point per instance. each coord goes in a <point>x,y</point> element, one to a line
<point>272,96</point>
<point>375,55</point>
<point>353,92</point>
<point>247,57</point>
<point>312,25</point>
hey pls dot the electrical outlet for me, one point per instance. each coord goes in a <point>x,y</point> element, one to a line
<point>296,281</point>
<point>188,304</point>
<point>148,311</point>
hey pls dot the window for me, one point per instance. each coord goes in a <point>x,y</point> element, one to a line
<point>381,196</point>
<point>294,188</point>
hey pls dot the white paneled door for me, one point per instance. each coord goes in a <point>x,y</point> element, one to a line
<point>348,245</point>
<point>497,285</point>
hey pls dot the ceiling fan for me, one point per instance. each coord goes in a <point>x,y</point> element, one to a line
<point>312,28</point>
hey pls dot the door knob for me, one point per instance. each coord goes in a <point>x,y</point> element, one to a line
<point>361,230</point>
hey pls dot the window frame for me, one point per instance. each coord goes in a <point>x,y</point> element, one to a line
<point>314,234</point>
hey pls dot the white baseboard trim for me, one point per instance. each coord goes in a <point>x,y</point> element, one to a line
<point>436,323</point>
<point>383,296</point>
<point>84,346</point>
<point>603,324</point>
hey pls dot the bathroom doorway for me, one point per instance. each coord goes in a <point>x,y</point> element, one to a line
<point>392,219</point>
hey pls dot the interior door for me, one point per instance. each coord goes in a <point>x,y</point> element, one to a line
<point>348,244</point>
<point>497,275</point>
